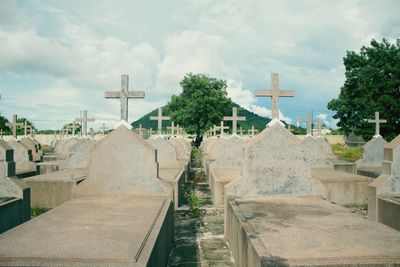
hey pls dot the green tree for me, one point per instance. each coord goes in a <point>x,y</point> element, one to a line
<point>202,103</point>
<point>3,122</point>
<point>20,129</point>
<point>372,84</point>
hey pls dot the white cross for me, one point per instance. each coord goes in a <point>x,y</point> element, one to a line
<point>159,118</point>
<point>308,120</point>
<point>14,125</point>
<point>72,127</point>
<point>140,130</point>
<point>252,131</point>
<point>124,95</point>
<point>241,131</point>
<point>234,118</point>
<point>275,93</point>
<point>172,128</point>
<point>222,128</point>
<point>103,128</point>
<point>84,122</point>
<point>377,122</point>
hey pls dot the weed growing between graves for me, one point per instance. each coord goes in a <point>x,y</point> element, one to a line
<point>196,157</point>
<point>194,201</point>
<point>35,211</point>
<point>344,152</point>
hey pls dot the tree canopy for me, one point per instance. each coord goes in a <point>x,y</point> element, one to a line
<point>202,103</point>
<point>372,84</point>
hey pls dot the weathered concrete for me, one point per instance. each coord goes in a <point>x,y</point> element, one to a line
<point>34,146</point>
<point>389,210</point>
<point>372,153</point>
<point>52,189</point>
<point>23,157</point>
<point>320,152</point>
<point>342,187</point>
<point>78,154</point>
<point>219,177</point>
<point>305,231</point>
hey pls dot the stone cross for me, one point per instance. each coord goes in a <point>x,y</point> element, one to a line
<point>150,132</point>
<point>140,130</point>
<point>377,122</point>
<point>124,95</point>
<point>14,125</point>
<point>241,131</point>
<point>172,128</point>
<point>84,120</point>
<point>308,122</point>
<point>252,131</point>
<point>159,118</point>
<point>234,118</point>
<point>103,128</point>
<point>275,93</point>
<point>25,126</point>
<point>72,127</point>
<point>222,128</point>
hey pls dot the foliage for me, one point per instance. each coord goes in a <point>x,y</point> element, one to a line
<point>35,211</point>
<point>202,103</point>
<point>20,130</point>
<point>196,157</point>
<point>344,152</point>
<point>194,201</point>
<point>372,84</point>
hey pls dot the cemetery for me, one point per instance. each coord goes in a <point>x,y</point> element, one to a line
<point>179,155</point>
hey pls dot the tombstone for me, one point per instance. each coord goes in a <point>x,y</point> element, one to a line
<point>122,214</point>
<point>354,140</point>
<point>275,216</point>
<point>14,193</point>
<point>24,165</point>
<point>384,191</point>
<point>171,170</point>
<point>225,167</point>
<point>319,151</point>
<point>372,156</point>
<point>78,155</point>
<point>34,146</point>
<point>159,118</point>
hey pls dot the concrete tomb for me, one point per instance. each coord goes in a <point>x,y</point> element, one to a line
<point>275,215</point>
<point>122,214</point>
<point>384,191</point>
<point>183,151</point>
<point>372,156</point>
<point>33,145</point>
<point>227,156</point>
<point>24,165</point>
<point>14,193</point>
<point>171,170</point>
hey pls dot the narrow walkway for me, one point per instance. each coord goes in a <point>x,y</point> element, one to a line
<point>199,241</point>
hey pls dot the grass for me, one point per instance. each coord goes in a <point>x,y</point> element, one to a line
<point>35,211</point>
<point>344,152</point>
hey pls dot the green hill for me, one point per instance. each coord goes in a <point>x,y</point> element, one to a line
<point>259,122</point>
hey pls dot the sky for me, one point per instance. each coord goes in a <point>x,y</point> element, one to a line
<point>58,57</point>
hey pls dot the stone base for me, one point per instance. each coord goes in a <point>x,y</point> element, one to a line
<point>305,231</point>
<point>344,166</point>
<point>389,210</point>
<point>342,187</point>
<point>94,231</point>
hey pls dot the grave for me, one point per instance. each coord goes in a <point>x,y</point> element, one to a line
<point>171,170</point>
<point>372,156</point>
<point>275,216</point>
<point>121,216</point>
<point>159,118</point>
<point>33,145</point>
<point>24,166</point>
<point>183,154</point>
<point>227,156</point>
<point>14,193</point>
<point>384,191</point>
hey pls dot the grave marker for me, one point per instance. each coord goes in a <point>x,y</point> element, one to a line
<point>14,125</point>
<point>124,95</point>
<point>275,93</point>
<point>252,131</point>
<point>172,128</point>
<point>84,120</point>
<point>377,122</point>
<point>160,118</point>
<point>222,128</point>
<point>234,118</point>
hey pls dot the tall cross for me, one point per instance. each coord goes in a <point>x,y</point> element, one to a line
<point>14,125</point>
<point>222,128</point>
<point>252,131</point>
<point>124,95</point>
<point>172,128</point>
<point>159,118</point>
<point>377,122</point>
<point>308,122</point>
<point>234,118</point>
<point>84,120</point>
<point>275,93</point>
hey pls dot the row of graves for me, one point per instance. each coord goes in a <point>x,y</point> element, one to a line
<point>112,201</point>
<point>286,199</point>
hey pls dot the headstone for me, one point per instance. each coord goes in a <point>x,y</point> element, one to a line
<point>23,158</point>
<point>234,118</point>
<point>275,93</point>
<point>159,118</point>
<point>354,140</point>
<point>34,146</point>
<point>319,151</point>
<point>372,153</point>
<point>78,154</point>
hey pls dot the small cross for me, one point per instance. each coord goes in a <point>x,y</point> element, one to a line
<point>252,131</point>
<point>14,125</point>
<point>103,129</point>
<point>124,95</point>
<point>377,122</point>
<point>222,128</point>
<point>140,130</point>
<point>159,118</point>
<point>308,120</point>
<point>84,122</point>
<point>241,131</point>
<point>72,127</point>
<point>172,128</point>
<point>275,93</point>
<point>25,126</point>
<point>234,118</point>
